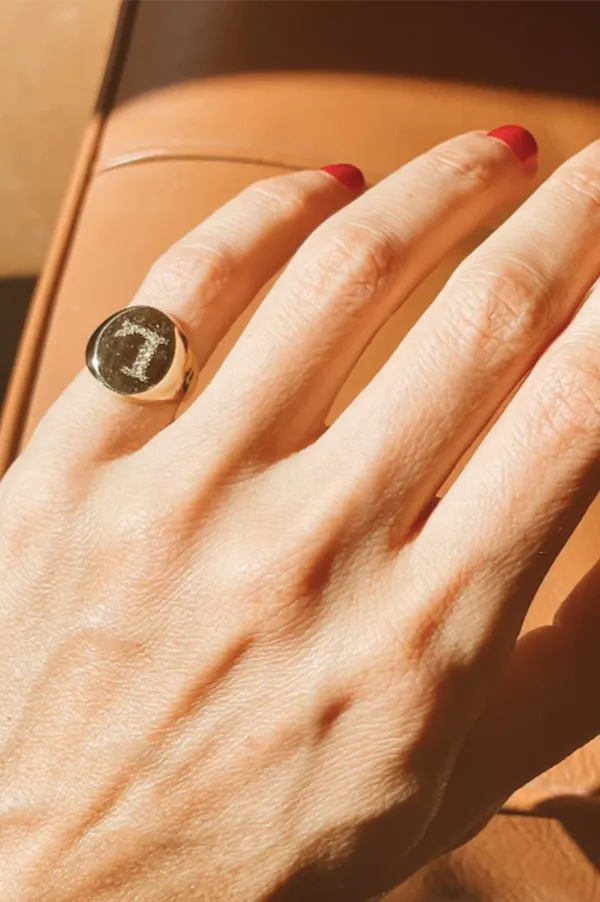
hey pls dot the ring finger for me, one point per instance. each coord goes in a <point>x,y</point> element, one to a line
<point>204,281</point>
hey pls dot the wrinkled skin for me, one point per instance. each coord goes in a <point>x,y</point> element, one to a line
<point>247,658</point>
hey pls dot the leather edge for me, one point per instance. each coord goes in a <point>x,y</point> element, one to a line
<point>22,378</point>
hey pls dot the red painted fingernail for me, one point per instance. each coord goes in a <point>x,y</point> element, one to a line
<point>521,142</point>
<point>347,174</point>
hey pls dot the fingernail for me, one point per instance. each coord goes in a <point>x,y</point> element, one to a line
<point>347,174</point>
<point>521,142</point>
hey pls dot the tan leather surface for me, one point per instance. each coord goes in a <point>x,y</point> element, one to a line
<point>515,859</point>
<point>43,112</point>
<point>189,126</point>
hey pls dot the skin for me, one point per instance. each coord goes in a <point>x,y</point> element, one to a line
<point>246,658</point>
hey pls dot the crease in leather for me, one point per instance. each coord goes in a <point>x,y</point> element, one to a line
<point>159,156</point>
<point>196,154</point>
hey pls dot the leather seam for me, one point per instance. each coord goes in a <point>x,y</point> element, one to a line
<point>137,158</point>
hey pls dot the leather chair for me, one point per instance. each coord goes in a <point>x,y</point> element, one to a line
<point>201,98</point>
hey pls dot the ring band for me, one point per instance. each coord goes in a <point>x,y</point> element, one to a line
<point>143,353</point>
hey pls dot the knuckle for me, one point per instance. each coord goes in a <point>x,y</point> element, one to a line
<point>503,312</point>
<point>130,516</point>
<point>352,259</point>
<point>569,397</point>
<point>289,195</point>
<point>260,589</point>
<point>32,498</point>
<point>147,524</point>
<point>197,263</point>
<point>472,168</point>
<point>585,181</point>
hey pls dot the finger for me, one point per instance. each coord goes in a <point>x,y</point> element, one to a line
<point>344,283</point>
<point>205,281</point>
<point>496,315</point>
<point>518,499</point>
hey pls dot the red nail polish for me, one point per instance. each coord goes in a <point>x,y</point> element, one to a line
<point>347,174</point>
<point>521,142</point>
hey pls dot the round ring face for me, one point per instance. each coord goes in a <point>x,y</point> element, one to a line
<point>133,350</point>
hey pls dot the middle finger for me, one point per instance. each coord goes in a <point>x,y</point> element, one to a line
<point>284,372</point>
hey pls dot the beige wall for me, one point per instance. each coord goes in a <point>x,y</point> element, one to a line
<point>52,58</point>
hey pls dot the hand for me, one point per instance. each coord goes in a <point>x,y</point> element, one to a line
<point>246,658</point>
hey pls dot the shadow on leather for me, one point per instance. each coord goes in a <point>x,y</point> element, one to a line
<point>544,47</point>
<point>580,817</point>
<point>15,295</point>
